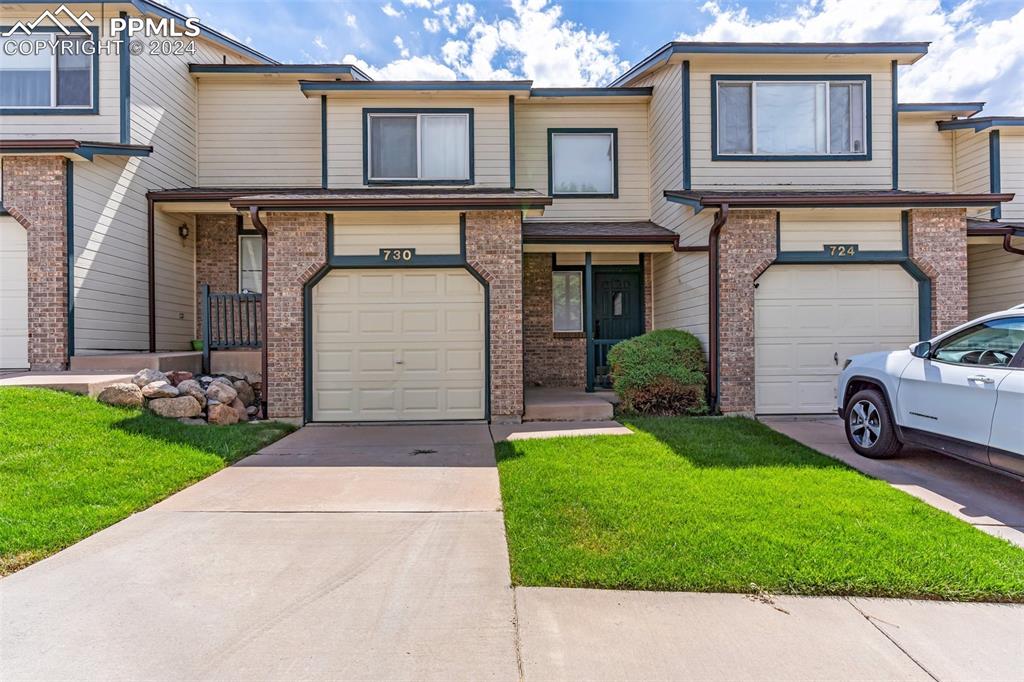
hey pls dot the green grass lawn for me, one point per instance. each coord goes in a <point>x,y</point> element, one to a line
<point>70,466</point>
<point>728,505</point>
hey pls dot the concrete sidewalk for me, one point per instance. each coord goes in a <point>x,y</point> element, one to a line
<point>988,500</point>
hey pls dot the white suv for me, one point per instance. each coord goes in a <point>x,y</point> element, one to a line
<point>962,393</point>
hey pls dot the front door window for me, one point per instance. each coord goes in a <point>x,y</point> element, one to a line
<point>617,314</point>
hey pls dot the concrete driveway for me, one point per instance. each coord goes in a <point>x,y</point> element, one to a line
<point>338,552</point>
<point>990,501</point>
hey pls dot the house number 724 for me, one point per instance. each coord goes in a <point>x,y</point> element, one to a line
<point>841,250</point>
<point>404,255</point>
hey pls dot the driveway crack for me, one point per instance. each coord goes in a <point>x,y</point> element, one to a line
<point>517,640</point>
<point>896,644</point>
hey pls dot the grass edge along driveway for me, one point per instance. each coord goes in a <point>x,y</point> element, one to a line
<point>70,466</point>
<point>729,505</point>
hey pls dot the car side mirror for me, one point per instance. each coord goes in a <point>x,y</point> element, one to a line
<point>922,349</point>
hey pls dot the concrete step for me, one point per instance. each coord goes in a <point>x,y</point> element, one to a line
<point>566,405</point>
<point>188,361</point>
<point>84,383</point>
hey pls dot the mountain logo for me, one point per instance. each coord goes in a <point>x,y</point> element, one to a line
<point>76,25</point>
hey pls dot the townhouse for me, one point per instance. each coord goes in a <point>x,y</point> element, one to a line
<point>435,250</point>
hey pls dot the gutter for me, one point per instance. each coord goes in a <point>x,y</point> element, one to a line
<point>713,318</point>
<point>257,222</point>
<point>151,268</point>
<point>1009,247</point>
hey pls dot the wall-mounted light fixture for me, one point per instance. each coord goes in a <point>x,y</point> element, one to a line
<point>183,231</point>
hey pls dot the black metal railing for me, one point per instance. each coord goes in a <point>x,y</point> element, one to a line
<point>602,370</point>
<point>230,321</point>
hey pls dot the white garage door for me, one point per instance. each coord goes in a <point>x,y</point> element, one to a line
<point>809,318</point>
<point>13,294</point>
<point>398,345</point>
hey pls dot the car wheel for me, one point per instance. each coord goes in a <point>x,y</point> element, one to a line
<point>869,429</point>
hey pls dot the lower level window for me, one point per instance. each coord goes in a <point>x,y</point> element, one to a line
<point>567,301</point>
<point>250,264</point>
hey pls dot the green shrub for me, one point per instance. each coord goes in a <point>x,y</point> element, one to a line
<point>660,373</point>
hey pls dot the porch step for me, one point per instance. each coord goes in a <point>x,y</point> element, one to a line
<point>566,405</point>
<point>83,383</point>
<point>188,361</point>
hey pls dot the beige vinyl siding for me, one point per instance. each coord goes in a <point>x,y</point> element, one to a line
<point>532,123</point>
<point>971,165</point>
<point>810,229</point>
<point>345,134</point>
<point>665,132</point>
<point>995,279</point>
<point>365,233</point>
<point>926,154</point>
<point>111,275</point>
<point>258,132</point>
<point>1011,176</point>
<point>873,174</point>
<point>105,125</point>
<point>681,282</point>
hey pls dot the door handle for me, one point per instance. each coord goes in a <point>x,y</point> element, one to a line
<point>982,379</point>
<point>835,358</point>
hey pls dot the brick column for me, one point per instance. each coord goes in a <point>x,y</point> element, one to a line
<point>216,257</point>
<point>550,359</point>
<point>938,245</point>
<point>494,249</point>
<point>296,251</point>
<point>35,194</point>
<point>746,249</point>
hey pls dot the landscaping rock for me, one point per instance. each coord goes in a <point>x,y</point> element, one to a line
<point>239,407</point>
<point>191,387</point>
<point>223,380</point>
<point>159,389</point>
<point>252,410</point>
<point>245,392</point>
<point>182,406</point>
<point>148,376</point>
<point>221,391</point>
<point>222,414</point>
<point>178,376</point>
<point>193,421</point>
<point>121,395</point>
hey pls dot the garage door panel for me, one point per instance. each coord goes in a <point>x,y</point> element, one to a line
<point>13,294</point>
<point>414,347</point>
<point>809,316</point>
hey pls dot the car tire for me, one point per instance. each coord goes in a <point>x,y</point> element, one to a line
<point>869,427</point>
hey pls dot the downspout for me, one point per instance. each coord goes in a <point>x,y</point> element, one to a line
<point>713,351</point>
<point>254,216</point>
<point>151,266</point>
<point>1009,247</point>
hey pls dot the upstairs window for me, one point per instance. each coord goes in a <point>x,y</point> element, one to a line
<point>431,147</point>
<point>791,119</point>
<point>58,78</point>
<point>583,163</point>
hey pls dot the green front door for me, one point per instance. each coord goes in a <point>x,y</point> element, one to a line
<point>618,314</point>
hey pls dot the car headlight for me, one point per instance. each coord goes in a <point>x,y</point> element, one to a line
<point>847,363</point>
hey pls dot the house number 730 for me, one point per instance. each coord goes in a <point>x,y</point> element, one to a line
<point>397,254</point>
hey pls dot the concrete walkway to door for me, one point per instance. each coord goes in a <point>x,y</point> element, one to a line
<point>336,553</point>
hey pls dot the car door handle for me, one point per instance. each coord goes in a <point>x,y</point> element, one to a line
<point>982,379</point>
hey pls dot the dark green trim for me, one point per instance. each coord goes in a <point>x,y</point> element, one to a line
<point>65,111</point>
<point>924,299</point>
<point>88,150</point>
<point>591,92</point>
<point>341,86</point>
<point>368,111</point>
<point>323,141</point>
<point>895,125</point>
<point>615,163</point>
<point>512,141</point>
<point>69,231</point>
<point>333,264</point>
<point>687,171</point>
<point>819,258</point>
<point>125,65</point>
<point>945,107</point>
<point>865,78</point>
<point>418,261</point>
<point>981,123</point>
<point>330,69</point>
<point>588,316</point>
<point>695,204</point>
<point>994,171</point>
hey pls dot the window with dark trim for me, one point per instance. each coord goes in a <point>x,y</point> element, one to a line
<point>567,301</point>
<point>583,162</point>
<point>791,117</point>
<point>250,263</point>
<point>57,74</point>
<point>425,146</point>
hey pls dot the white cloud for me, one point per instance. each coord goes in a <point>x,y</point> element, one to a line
<point>400,44</point>
<point>390,10</point>
<point>351,21</point>
<point>968,58</point>
<point>319,42</point>
<point>409,68</point>
<point>422,4</point>
<point>432,25</point>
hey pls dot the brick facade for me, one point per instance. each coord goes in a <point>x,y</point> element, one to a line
<point>549,359</point>
<point>216,257</point>
<point>746,249</point>
<point>296,251</point>
<point>494,249</point>
<point>35,194</point>
<point>938,245</point>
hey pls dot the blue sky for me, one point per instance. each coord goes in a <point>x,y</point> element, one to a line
<point>977,47</point>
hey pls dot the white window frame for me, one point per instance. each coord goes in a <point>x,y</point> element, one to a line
<point>753,83</point>
<point>53,83</point>
<point>241,239</point>
<point>554,325</point>
<point>419,132</point>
